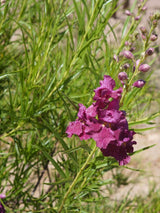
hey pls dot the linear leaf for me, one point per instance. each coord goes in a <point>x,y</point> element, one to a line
<point>54,163</point>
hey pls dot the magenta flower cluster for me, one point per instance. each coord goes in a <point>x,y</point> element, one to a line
<point>105,123</point>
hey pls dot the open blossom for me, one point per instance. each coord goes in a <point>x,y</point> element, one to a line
<point>105,123</point>
<point>105,92</point>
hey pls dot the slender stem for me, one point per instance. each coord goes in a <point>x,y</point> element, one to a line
<point>11,132</point>
<point>76,178</point>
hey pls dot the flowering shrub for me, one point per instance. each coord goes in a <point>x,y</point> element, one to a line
<point>105,123</point>
<point>52,55</point>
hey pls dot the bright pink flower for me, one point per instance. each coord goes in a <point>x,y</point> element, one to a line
<point>105,92</point>
<point>105,123</point>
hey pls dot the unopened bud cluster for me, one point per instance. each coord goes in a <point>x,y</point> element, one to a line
<point>127,55</point>
<point>141,9</point>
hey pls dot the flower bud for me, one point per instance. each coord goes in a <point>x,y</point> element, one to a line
<point>127,43</point>
<point>132,49</point>
<point>144,67</point>
<point>122,76</point>
<point>144,8</point>
<point>137,62</point>
<point>139,6</point>
<point>149,51</point>
<point>137,18</point>
<point>128,13</point>
<point>139,84</point>
<point>128,54</point>
<point>143,37</point>
<point>2,196</point>
<point>155,22</point>
<point>126,66</point>
<point>115,57</point>
<point>143,30</point>
<point>157,16</point>
<point>153,37</point>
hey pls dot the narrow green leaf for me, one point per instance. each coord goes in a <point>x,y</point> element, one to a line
<point>145,148</point>
<point>54,163</point>
<point>144,120</point>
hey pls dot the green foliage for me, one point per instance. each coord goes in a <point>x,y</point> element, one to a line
<point>52,55</point>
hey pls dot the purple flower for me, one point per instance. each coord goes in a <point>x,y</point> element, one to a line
<point>113,119</point>
<point>104,137</point>
<point>85,124</point>
<point>122,145</point>
<point>105,123</point>
<point>105,92</point>
<point>139,84</point>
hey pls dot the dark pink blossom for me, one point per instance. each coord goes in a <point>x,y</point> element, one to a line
<point>85,124</point>
<point>105,123</point>
<point>104,137</point>
<point>121,146</point>
<point>105,92</point>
